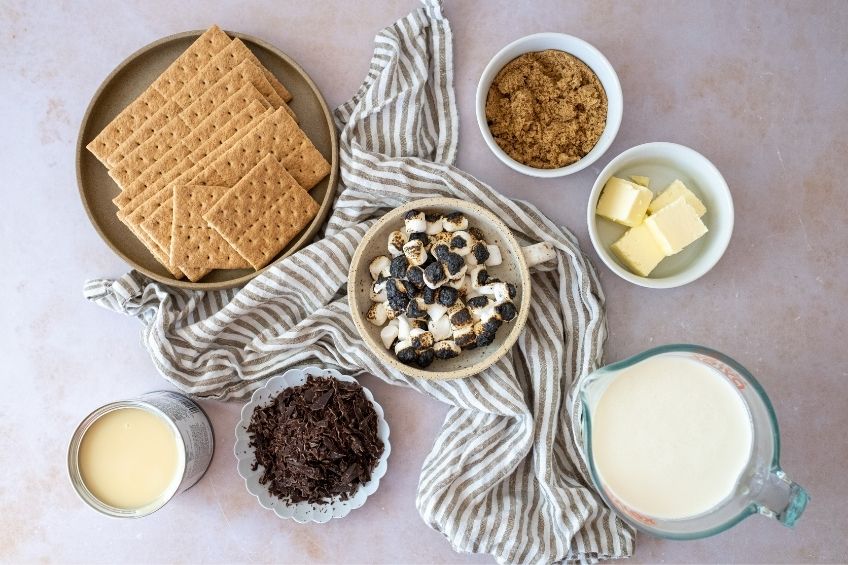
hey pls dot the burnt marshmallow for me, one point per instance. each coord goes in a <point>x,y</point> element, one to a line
<point>455,221</point>
<point>415,252</point>
<point>379,265</point>
<point>415,221</point>
<point>446,349</point>
<point>435,276</point>
<point>398,266</point>
<point>397,239</point>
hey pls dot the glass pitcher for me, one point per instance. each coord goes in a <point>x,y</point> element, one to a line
<point>762,488</point>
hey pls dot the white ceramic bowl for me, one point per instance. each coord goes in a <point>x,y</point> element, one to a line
<point>303,512</point>
<point>664,162</point>
<point>583,51</point>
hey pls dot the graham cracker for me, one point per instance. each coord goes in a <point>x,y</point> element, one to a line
<point>164,123</point>
<point>262,213</point>
<point>278,135</point>
<point>154,214</point>
<point>122,126</point>
<point>203,105</point>
<point>223,62</point>
<point>174,132</point>
<point>193,242</point>
<point>197,56</point>
<point>228,85</point>
<point>221,119</point>
<point>148,102</point>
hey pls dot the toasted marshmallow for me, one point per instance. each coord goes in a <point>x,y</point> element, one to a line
<point>494,256</point>
<point>465,336</point>
<point>416,309</point>
<point>378,295</point>
<point>446,349</point>
<point>404,351</point>
<point>435,276</point>
<point>415,221</point>
<point>461,243</point>
<point>498,290</point>
<point>421,339</point>
<point>455,221</point>
<point>377,314</point>
<point>441,328</point>
<point>379,266</point>
<point>434,225</point>
<point>403,327</point>
<point>436,311</point>
<point>477,305</point>
<point>397,239</point>
<point>479,276</point>
<point>389,334</point>
<point>415,252</point>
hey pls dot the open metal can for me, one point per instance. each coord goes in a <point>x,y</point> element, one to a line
<point>192,431</point>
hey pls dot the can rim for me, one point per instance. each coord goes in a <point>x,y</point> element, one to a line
<point>75,476</point>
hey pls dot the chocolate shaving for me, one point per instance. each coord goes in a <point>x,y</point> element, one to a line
<point>316,441</point>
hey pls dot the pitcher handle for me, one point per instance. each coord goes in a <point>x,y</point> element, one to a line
<point>781,498</point>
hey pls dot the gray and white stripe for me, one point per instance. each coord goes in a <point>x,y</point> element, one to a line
<point>505,475</point>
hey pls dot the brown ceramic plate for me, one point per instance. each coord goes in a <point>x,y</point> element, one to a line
<point>125,83</point>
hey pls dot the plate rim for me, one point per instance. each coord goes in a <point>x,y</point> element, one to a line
<point>305,237</point>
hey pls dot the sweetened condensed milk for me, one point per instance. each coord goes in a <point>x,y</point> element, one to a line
<point>670,437</point>
<point>129,458</point>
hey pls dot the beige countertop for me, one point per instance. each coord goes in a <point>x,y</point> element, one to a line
<point>761,88</point>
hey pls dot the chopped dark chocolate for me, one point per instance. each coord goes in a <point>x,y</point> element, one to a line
<point>316,441</point>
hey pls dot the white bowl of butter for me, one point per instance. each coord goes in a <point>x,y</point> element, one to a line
<point>668,233</point>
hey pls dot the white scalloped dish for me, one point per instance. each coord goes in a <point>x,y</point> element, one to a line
<point>303,512</point>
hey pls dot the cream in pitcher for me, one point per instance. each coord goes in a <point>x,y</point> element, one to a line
<point>683,443</point>
<point>671,437</point>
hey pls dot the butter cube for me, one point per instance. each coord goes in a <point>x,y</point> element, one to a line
<point>638,250</point>
<point>674,191</point>
<point>644,181</point>
<point>675,226</point>
<point>624,202</point>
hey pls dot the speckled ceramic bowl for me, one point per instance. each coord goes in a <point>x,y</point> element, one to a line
<point>514,269</point>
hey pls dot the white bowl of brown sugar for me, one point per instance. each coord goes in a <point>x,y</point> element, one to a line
<point>549,104</point>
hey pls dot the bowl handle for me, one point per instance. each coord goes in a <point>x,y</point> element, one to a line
<point>538,253</point>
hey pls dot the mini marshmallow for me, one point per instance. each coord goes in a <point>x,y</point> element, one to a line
<point>479,276</point>
<point>460,243</point>
<point>379,265</point>
<point>498,290</point>
<point>441,238</point>
<point>441,328</point>
<point>435,276</point>
<point>436,311</point>
<point>479,252</point>
<point>403,327</point>
<point>460,276</point>
<point>446,349</point>
<point>455,221</point>
<point>397,239</point>
<point>414,252</point>
<point>416,309</point>
<point>435,226</point>
<point>494,256</point>
<point>398,266</point>
<point>465,336</point>
<point>405,352</point>
<point>421,339</point>
<point>377,314</point>
<point>378,295</point>
<point>415,221</point>
<point>389,333</point>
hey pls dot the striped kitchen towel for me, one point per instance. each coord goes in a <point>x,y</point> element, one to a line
<point>505,475</point>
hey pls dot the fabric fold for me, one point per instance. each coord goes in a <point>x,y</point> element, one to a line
<point>505,475</point>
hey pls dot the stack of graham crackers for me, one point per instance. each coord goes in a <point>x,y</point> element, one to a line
<point>212,166</point>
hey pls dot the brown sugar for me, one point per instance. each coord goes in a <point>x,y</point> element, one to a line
<point>546,109</point>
